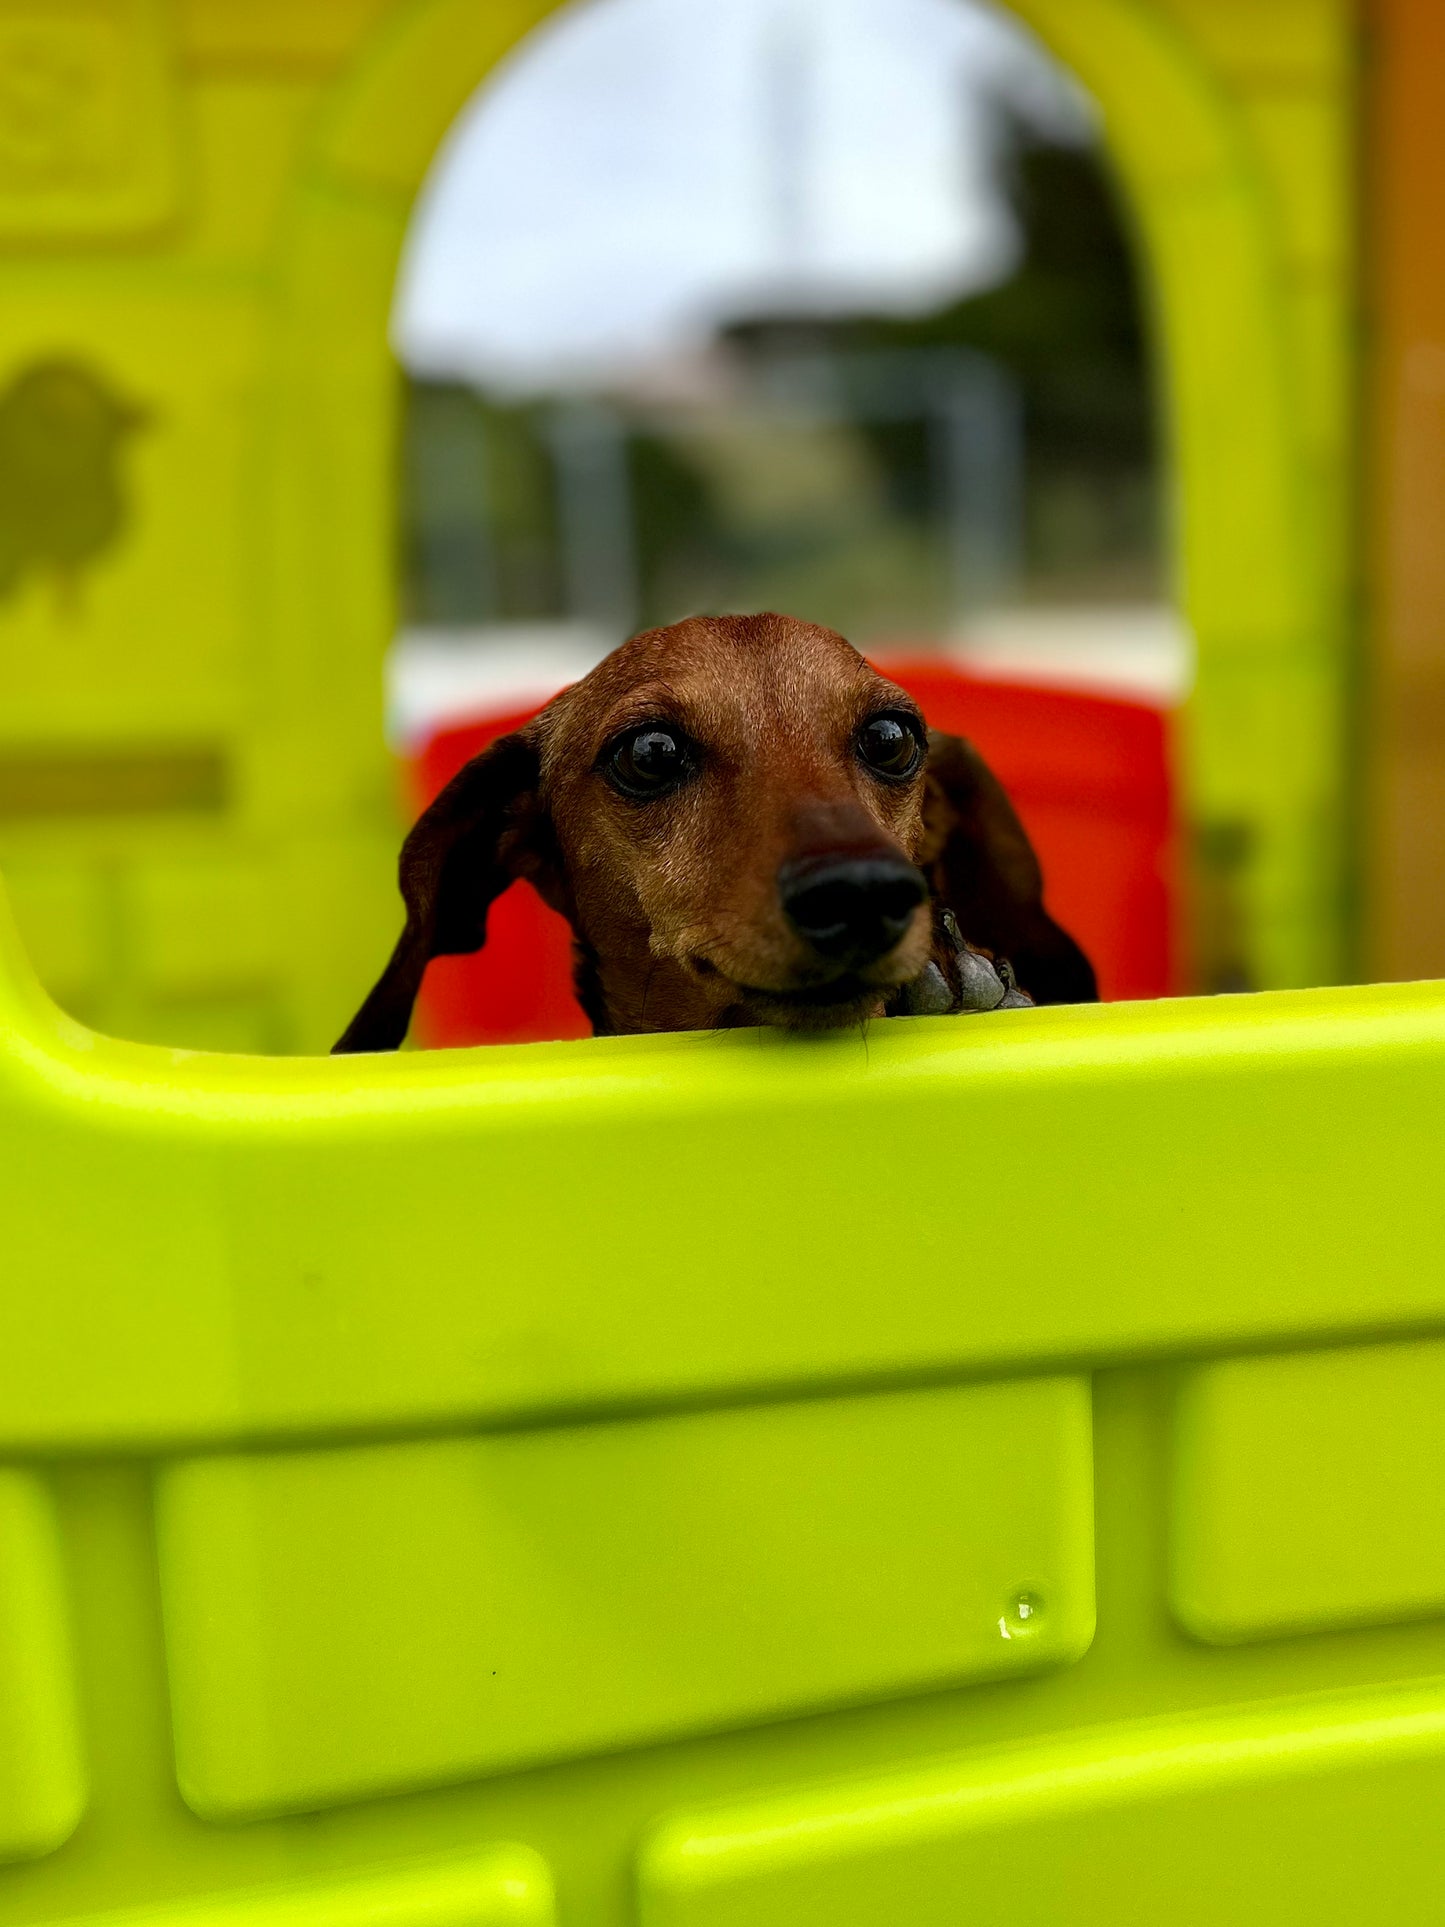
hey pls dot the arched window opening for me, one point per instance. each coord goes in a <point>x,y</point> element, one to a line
<point>828,309</point>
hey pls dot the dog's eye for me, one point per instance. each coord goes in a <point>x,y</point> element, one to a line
<point>891,746</point>
<point>647,761</point>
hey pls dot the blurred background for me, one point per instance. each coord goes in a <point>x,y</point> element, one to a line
<point>369,368</point>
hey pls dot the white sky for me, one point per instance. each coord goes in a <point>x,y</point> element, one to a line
<point>640,169</point>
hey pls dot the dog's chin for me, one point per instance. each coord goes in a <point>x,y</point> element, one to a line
<point>832,1003</point>
<point>846,1000</point>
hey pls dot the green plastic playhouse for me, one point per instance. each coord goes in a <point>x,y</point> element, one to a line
<point>993,1475</point>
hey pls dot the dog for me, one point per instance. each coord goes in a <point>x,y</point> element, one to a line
<point>744,823</point>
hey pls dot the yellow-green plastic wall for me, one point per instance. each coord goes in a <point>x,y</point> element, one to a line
<point>202,204</point>
<point>992,1469</point>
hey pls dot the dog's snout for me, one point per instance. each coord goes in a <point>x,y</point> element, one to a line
<point>851,910</point>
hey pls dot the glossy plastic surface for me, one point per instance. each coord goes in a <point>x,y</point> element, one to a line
<point>991,1463</point>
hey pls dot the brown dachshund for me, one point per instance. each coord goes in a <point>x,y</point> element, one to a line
<point>744,823</point>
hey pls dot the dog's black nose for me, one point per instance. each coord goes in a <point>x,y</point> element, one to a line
<point>851,909</point>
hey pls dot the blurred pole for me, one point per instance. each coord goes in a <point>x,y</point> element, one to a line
<point>1404,855</point>
<point>978,427</point>
<point>451,570</point>
<point>594,515</point>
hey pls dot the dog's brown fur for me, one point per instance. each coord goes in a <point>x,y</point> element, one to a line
<point>675,900</point>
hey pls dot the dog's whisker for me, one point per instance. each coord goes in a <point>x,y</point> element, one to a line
<point>647,992</point>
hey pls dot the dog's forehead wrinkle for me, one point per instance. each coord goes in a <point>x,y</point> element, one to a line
<point>771,666</point>
<point>730,681</point>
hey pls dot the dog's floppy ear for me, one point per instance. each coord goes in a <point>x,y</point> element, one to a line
<point>981,865</point>
<point>484,830</point>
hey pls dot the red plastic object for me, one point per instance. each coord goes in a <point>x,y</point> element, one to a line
<point>518,987</point>
<point>1090,777</point>
<point>1088,774</point>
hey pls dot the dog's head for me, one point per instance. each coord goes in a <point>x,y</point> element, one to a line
<point>744,823</point>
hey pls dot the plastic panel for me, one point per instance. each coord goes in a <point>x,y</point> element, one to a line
<point>1306,1816</point>
<point>42,1778</point>
<point>505,1886</point>
<point>91,141</point>
<point>347,1621</point>
<point>1309,1491</point>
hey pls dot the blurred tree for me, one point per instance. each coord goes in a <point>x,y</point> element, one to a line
<point>812,478</point>
<point>1071,325</point>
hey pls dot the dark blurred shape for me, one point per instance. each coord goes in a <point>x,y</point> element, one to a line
<point>62,501</point>
<point>1220,875</point>
<point>41,783</point>
<point>596,523</point>
<point>479,539</point>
